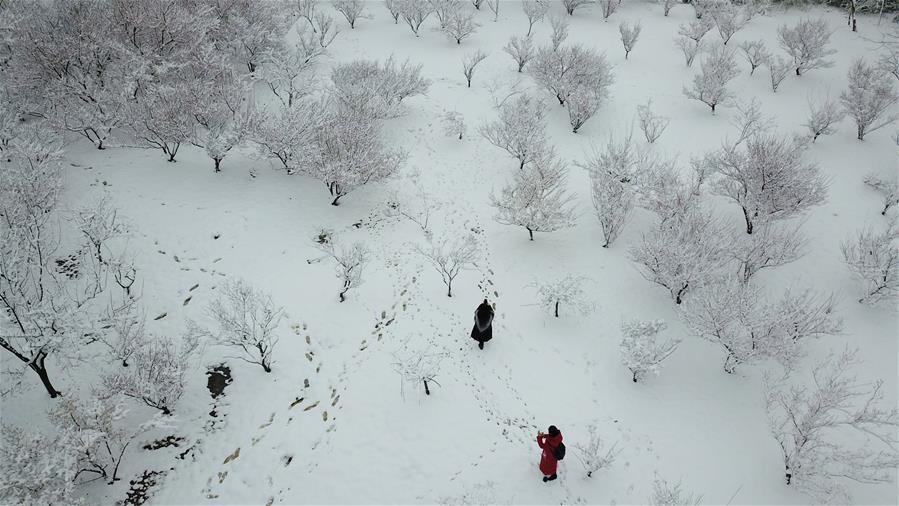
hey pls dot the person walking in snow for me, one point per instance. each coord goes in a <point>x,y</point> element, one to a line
<point>553,452</point>
<point>483,324</point>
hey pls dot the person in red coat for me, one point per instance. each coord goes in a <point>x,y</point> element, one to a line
<point>548,462</point>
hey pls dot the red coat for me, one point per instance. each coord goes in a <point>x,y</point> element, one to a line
<point>548,460</point>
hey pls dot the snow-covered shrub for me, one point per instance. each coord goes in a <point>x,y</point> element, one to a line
<point>414,12</point>
<point>535,11</point>
<point>690,48</point>
<point>682,253</point>
<point>642,351</point>
<point>572,5</point>
<point>888,189</point>
<point>756,53</point>
<point>521,49</point>
<point>393,6</point>
<point>824,114</point>
<point>771,245</point>
<point>520,129</point>
<point>565,291</point>
<point>155,376</point>
<point>811,422</point>
<point>696,29</point>
<point>889,62</point>
<point>418,370</point>
<point>629,35</point>
<point>874,258</point>
<point>729,19</point>
<point>806,43</point>
<point>460,24</point>
<point>748,172</point>
<point>621,160</point>
<point>613,202</point>
<point>538,198</point>
<point>454,124</point>
<point>349,261</point>
<point>224,117</point>
<point>870,99</point>
<point>583,103</point>
<point>99,224</point>
<point>665,494</point>
<point>593,454</point>
<point>470,61</point>
<point>750,120</point>
<point>286,132</point>
<point>289,72</point>
<point>559,26</point>
<point>652,124</point>
<point>493,5</point>
<point>710,86</point>
<point>245,319</point>
<point>165,117</point>
<point>37,468</point>
<point>450,256</point>
<point>377,89</point>
<point>608,8</point>
<point>351,10</point>
<point>416,206</point>
<point>778,68</point>
<point>734,316</point>
<point>568,68</point>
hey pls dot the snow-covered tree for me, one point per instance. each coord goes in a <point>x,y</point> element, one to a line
<point>683,253</point>
<point>289,72</point>
<point>537,199</point>
<point>444,9</point>
<point>519,130</point>
<point>750,120</point>
<point>367,86</point>
<point>663,190</point>
<point>347,152</point>
<point>350,261</point>
<point>250,28</point>
<point>37,468</point>
<point>98,223</point>
<point>572,5</point>
<point>593,454</point>
<point>696,29</point>
<point>245,319</point>
<point>415,206</point>
<point>608,8</point>
<point>778,68</point>
<point>771,245</point>
<point>286,133</point>
<point>729,19</point>
<point>393,6</point>
<point>417,369</point>
<point>414,12</point>
<point>567,291</point>
<point>156,373</point>
<point>734,316</point>
<point>613,202</point>
<point>767,176</point>
<point>224,117</point>
<point>874,258</point>
<point>756,53</point>
<point>652,124</point>
<point>454,124</point>
<point>889,62</point>
<point>690,48</point>
<point>665,494</point>
<point>127,334</point>
<point>493,5</point>
<point>559,25</point>
<point>667,5</point>
<point>621,160</point>
<point>870,98</point>
<point>165,117</point>
<point>824,114</point>
<point>460,25</point>
<point>470,61</point>
<point>450,256</point>
<point>629,35</point>
<point>817,425</point>
<point>888,189</point>
<point>477,4</point>
<point>583,103</point>
<point>306,9</point>
<point>806,43</point>
<point>710,87</point>
<point>521,49</point>
<point>642,351</point>
<point>570,68</point>
<point>535,11</point>
<point>351,10</point>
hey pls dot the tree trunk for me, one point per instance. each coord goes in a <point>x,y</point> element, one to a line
<point>334,202</point>
<point>635,376</point>
<point>531,233</point>
<point>41,370</point>
<point>557,309</point>
<point>678,298</point>
<point>861,133</point>
<point>748,221</point>
<point>730,363</point>
<point>797,72</point>
<point>713,108</point>
<point>427,391</point>
<point>218,162</point>
<point>449,289</point>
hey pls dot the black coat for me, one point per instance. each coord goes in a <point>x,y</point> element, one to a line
<point>482,330</point>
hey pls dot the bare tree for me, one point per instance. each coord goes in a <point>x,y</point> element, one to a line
<point>245,319</point>
<point>443,9</point>
<point>593,454</point>
<point>778,67</point>
<point>613,202</point>
<point>520,49</point>
<point>559,26</point>
<point>537,199</point>
<point>824,114</point>
<point>493,5</point>
<point>608,8</point>
<point>888,189</point>
<point>350,261</point>
<point>729,19</point>
<point>696,29</point>
<point>710,87</point>
<point>567,290</point>
<point>755,53</point>
<point>771,245</point>
<point>767,178</point>
<point>351,10</point>
<point>652,124</point>
<point>690,48</point>
<point>811,423</point>
<point>874,258</point>
<point>450,256</point>
<point>393,6</point>
<point>750,120</point>
<point>629,35</point>
<point>535,11</point>
<point>870,98</point>
<point>414,12</point>
<point>417,369</point>
<point>520,129</point>
<point>417,207</point>
<point>306,9</point>
<point>664,494</point>
<point>460,25</point>
<point>470,61</point>
<point>641,350</point>
<point>572,5</point>
<point>889,62</point>
<point>806,43</point>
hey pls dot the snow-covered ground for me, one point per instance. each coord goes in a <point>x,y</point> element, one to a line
<point>357,434</point>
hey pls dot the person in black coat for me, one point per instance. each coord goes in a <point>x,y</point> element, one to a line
<point>482,331</point>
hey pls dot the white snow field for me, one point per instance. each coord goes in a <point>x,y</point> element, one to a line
<point>333,423</point>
